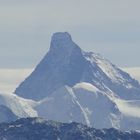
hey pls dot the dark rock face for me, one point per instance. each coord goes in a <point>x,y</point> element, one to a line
<point>38,129</point>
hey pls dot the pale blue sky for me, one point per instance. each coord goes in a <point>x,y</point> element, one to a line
<point>109,27</point>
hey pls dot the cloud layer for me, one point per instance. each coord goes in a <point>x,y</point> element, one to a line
<point>10,78</point>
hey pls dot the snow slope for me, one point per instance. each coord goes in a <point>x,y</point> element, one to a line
<point>18,106</point>
<point>106,76</point>
<point>84,103</point>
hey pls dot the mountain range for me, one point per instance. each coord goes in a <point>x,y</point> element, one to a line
<point>39,129</point>
<point>71,85</point>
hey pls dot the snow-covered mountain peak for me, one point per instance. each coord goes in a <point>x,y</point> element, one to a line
<point>67,64</point>
<point>72,85</point>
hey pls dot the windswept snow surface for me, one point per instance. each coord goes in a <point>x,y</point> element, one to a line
<point>109,69</point>
<point>86,104</point>
<point>107,76</point>
<point>83,103</point>
<point>19,106</point>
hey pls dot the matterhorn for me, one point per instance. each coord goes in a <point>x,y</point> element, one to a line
<point>71,85</point>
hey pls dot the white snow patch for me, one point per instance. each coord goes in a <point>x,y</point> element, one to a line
<point>19,106</point>
<point>86,86</point>
<point>108,69</point>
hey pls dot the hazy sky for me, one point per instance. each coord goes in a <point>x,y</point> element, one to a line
<point>109,27</point>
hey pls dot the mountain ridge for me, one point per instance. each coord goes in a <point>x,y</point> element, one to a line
<point>37,129</point>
